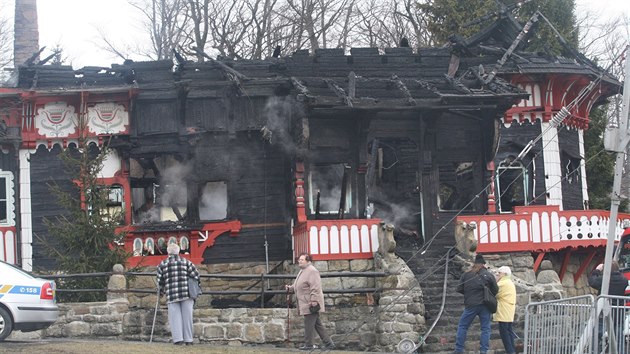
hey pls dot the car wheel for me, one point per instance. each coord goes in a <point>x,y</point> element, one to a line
<point>6,324</point>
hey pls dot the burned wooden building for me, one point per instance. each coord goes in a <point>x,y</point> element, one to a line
<point>246,160</point>
<point>252,160</point>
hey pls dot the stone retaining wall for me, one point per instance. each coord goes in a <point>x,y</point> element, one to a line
<point>374,322</point>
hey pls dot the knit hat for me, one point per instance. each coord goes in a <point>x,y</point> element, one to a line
<point>479,259</point>
<point>505,270</point>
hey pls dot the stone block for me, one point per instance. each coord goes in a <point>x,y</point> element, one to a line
<point>352,283</point>
<point>361,265</point>
<point>214,332</point>
<point>253,333</point>
<point>338,266</point>
<point>234,331</point>
<point>415,308</point>
<point>274,332</point>
<point>106,329</point>
<point>76,329</point>
<point>80,309</point>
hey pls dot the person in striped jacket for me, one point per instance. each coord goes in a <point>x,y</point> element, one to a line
<point>172,278</point>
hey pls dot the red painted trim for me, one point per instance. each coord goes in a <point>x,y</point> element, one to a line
<point>538,261</point>
<point>584,264</point>
<point>197,245</point>
<point>565,263</point>
<point>300,204</point>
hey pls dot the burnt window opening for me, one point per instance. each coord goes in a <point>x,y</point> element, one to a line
<point>159,188</point>
<point>456,189</point>
<point>113,203</point>
<point>512,185</point>
<point>327,183</point>
<point>570,168</point>
<point>213,202</point>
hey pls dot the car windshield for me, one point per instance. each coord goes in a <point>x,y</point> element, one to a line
<point>11,267</point>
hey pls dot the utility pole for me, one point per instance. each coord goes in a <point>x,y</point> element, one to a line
<point>616,140</point>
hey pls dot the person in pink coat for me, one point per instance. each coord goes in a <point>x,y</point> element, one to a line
<point>308,292</point>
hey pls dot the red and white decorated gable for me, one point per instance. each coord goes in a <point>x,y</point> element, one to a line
<point>56,120</point>
<point>107,118</point>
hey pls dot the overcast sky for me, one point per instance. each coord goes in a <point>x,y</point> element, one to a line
<point>75,24</point>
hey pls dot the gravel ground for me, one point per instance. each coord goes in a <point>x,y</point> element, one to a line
<point>66,346</point>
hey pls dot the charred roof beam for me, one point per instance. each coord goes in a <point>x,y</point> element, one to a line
<point>403,88</point>
<point>339,92</point>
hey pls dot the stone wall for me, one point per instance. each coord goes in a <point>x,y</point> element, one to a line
<point>374,322</point>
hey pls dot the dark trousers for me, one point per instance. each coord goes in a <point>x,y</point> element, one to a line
<point>312,323</point>
<point>507,336</point>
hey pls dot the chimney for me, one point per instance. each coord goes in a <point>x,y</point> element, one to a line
<point>26,32</point>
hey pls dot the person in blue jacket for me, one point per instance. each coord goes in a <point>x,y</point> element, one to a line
<point>472,284</point>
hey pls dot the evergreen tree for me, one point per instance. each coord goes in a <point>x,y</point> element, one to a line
<point>447,17</point>
<point>466,17</point>
<point>85,234</point>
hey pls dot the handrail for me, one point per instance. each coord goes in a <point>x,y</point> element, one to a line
<point>259,277</point>
<point>439,315</point>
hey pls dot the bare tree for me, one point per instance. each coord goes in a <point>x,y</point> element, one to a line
<point>315,19</point>
<point>166,21</point>
<point>199,15</point>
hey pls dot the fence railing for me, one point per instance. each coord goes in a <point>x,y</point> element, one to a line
<point>578,325</point>
<point>260,279</point>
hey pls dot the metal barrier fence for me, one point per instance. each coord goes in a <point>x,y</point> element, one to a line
<point>612,334</point>
<point>562,326</point>
<point>578,325</point>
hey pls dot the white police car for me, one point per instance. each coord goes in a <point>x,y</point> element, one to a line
<point>26,303</point>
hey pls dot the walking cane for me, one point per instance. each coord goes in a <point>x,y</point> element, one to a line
<point>157,302</point>
<point>288,316</point>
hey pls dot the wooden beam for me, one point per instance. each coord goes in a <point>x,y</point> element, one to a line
<point>565,263</point>
<point>352,85</point>
<point>584,264</point>
<point>403,88</point>
<point>538,260</point>
<point>299,86</point>
<point>339,92</point>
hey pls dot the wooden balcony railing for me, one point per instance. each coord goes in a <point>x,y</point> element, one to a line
<point>337,239</point>
<point>542,229</point>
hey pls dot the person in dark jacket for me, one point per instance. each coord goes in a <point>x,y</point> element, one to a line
<point>472,285</point>
<point>172,278</point>
<point>616,287</point>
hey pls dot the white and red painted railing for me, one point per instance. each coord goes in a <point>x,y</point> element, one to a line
<point>542,229</point>
<point>336,239</point>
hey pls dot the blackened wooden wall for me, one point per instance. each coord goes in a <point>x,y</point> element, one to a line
<point>512,141</point>
<point>46,169</point>
<point>258,183</point>
<point>568,140</point>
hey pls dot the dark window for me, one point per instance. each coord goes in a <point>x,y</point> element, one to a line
<point>456,186</point>
<point>512,185</point>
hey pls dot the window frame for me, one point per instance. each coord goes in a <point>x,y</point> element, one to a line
<point>7,176</point>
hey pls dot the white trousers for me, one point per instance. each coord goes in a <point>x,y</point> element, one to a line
<point>180,319</point>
